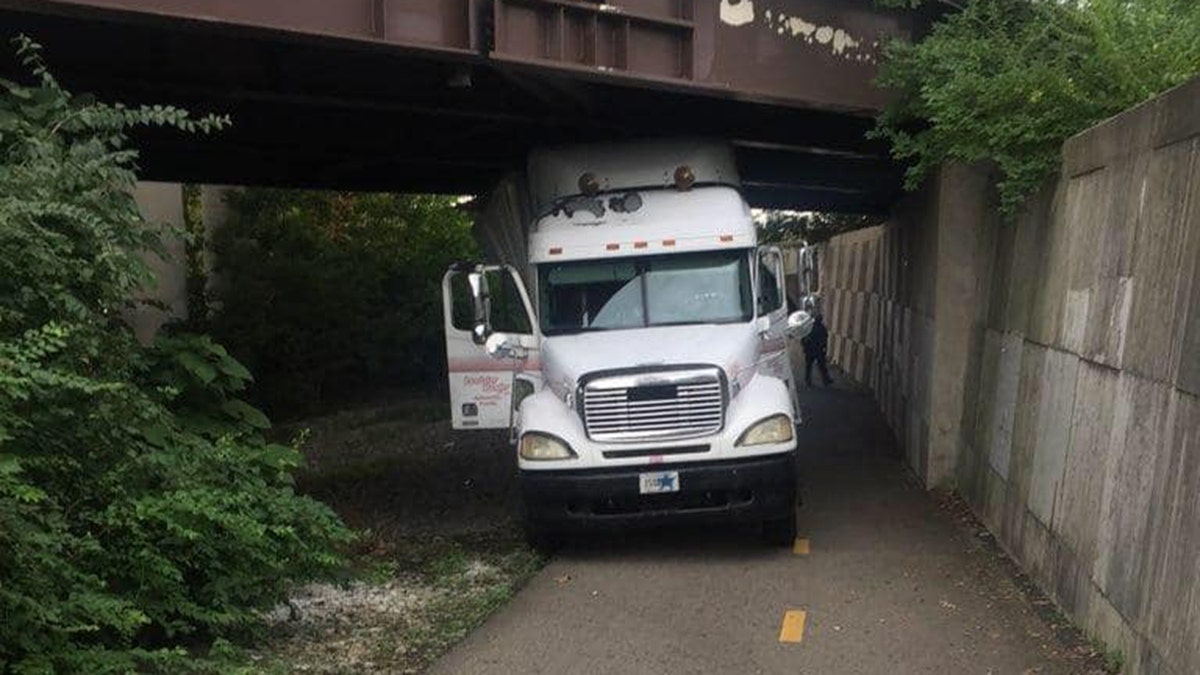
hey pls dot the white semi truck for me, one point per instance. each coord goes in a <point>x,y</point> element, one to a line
<point>637,346</point>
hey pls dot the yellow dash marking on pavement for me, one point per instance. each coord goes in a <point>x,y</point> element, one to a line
<point>792,629</point>
<point>800,547</point>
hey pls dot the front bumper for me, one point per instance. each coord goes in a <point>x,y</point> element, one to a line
<point>750,489</point>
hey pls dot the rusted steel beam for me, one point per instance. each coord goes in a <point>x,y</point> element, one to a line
<point>809,53</point>
<point>448,95</point>
<point>441,26</point>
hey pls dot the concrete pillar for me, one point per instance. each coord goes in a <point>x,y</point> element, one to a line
<point>214,211</point>
<point>161,203</point>
<point>167,299</point>
<point>963,217</point>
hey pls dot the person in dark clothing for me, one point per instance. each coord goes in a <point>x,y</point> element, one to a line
<point>814,345</point>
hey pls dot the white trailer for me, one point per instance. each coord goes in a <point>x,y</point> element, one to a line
<point>644,369</point>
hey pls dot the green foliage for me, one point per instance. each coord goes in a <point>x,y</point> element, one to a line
<point>196,263</point>
<point>900,4</point>
<point>1008,81</point>
<point>324,295</point>
<point>1114,661</point>
<point>792,227</point>
<point>141,511</point>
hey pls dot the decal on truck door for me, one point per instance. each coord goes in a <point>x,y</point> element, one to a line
<point>481,386</point>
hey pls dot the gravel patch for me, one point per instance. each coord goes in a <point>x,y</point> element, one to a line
<point>439,550</point>
<point>352,629</point>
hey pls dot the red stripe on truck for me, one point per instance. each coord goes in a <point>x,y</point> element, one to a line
<point>489,365</point>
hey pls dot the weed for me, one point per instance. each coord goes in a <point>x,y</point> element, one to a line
<point>1114,660</point>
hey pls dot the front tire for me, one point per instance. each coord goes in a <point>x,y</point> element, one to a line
<point>780,532</point>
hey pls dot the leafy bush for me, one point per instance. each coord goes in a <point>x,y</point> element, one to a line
<point>1010,80</point>
<point>141,511</point>
<point>324,294</point>
<point>811,227</point>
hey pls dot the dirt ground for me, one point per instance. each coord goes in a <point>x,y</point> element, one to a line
<point>439,553</point>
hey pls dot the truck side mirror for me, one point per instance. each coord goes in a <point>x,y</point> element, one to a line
<point>504,346</point>
<point>481,298</point>
<point>799,324</point>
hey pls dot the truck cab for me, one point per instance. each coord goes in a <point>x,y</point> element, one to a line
<point>639,350</point>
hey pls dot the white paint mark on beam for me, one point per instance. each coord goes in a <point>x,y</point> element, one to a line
<point>799,27</point>
<point>841,42</point>
<point>739,14</point>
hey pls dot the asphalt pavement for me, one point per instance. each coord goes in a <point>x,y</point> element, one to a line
<point>884,578</point>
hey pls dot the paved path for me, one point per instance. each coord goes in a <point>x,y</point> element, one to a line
<point>894,582</point>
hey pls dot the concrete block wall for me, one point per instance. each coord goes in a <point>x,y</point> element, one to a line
<point>898,301</point>
<point>1060,367</point>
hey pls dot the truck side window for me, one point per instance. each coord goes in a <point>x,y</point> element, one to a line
<point>508,312</point>
<point>768,286</point>
<point>462,310</point>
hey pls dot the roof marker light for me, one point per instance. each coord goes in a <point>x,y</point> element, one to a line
<point>685,178</point>
<point>640,244</point>
<point>589,185</point>
<point>557,250</point>
<point>612,247</point>
<point>727,238</point>
<point>668,242</point>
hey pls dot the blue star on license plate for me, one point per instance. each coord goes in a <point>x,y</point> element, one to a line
<point>658,482</point>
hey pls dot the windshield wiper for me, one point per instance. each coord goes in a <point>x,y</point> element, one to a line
<point>575,330</point>
<point>698,322</point>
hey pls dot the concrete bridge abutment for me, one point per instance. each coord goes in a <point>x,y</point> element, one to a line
<point>1048,368</point>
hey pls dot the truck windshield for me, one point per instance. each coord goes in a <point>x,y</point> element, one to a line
<point>663,290</point>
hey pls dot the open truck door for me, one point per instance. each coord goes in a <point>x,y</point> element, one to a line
<point>491,345</point>
<point>772,312</point>
<point>775,325</point>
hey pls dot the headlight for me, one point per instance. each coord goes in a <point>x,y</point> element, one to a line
<point>537,447</point>
<point>774,429</point>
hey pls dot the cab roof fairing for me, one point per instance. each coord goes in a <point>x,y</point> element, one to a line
<point>668,221</point>
<point>554,173</point>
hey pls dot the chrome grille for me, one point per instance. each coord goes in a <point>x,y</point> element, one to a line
<point>659,405</point>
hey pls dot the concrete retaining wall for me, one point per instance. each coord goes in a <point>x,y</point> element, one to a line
<point>1050,368</point>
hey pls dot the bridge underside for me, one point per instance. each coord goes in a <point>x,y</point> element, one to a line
<point>316,108</point>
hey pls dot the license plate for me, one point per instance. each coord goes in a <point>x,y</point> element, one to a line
<point>658,482</point>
